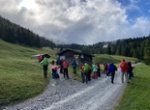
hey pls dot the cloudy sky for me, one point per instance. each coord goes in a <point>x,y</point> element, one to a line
<point>80,21</point>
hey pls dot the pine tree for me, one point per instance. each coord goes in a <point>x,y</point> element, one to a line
<point>147,52</point>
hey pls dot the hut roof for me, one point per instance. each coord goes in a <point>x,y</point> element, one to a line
<point>78,52</point>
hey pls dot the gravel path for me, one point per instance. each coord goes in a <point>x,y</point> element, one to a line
<point>72,95</point>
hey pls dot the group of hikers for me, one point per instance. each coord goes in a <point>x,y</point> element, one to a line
<point>88,71</point>
<point>62,66</point>
<point>94,71</point>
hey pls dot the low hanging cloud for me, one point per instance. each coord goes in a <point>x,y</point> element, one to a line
<point>75,21</point>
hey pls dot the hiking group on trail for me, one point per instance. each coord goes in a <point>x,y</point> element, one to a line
<point>88,71</point>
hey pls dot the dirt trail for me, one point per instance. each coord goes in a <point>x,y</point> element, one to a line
<point>72,95</point>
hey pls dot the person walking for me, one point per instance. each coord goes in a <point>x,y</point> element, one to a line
<point>45,64</point>
<point>86,72</point>
<point>112,69</point>
<point>61,66</point>
<point>65,69</point>
<point>99,70</point>
<point>106,69</point>
<point>89,71</point>
<point>82,73</point>
<point>55,75</point>
<point>124,69</point>
<point>74,66</point>
<point>130,70</point>
<point>94,71</point>
<point>54,69</point>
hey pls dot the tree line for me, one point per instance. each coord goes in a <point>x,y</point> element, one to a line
<point>132,47</point>
<point>14,33</point>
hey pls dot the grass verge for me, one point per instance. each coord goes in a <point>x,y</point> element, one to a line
<point>137,93</point>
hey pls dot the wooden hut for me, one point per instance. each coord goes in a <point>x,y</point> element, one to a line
<point>80,57</point>
<point>85,58</point>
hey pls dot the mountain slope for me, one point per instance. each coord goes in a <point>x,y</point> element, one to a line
<point>14,33</point>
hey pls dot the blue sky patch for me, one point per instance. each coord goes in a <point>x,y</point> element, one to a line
<point>136,8</point>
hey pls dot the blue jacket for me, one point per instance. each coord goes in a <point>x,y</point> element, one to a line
<point>74,64</point>
<point>112,68</point>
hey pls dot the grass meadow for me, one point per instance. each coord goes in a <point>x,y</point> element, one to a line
<point>104,58</point>
<point>20,76</point>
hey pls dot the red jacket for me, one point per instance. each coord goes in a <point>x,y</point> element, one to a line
<point>65,64</point>
<point>124,66</point>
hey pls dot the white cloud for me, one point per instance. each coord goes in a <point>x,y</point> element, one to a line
<point>142,26</point>
<point>73,21</point>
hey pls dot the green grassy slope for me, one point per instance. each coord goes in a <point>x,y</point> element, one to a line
<point>20,76</point>
<point>104,58</point>
<point>137,93</point>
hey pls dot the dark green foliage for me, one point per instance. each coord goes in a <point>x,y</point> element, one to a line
<point>13,33</point>
<point>147,52</point>
<point>135,47</point>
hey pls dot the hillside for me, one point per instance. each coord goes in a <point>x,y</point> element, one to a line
<point>14,33</point>
<point>20,76</point>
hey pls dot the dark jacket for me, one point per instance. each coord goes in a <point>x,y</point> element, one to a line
<point>112,68</point>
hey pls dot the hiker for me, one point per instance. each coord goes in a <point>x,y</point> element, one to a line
<point>106,69</point>
<point>61,66</point>
<point>86,72</point>
<point>124,69</point>
<point>94,71</point>
<point>89,71</point>
<point>99,70</point>
<point>54,69</point>
<point>45,63</point>
<point>58,60</point>
<point>82,73</point>
<point>130,70</point>
<point>112,69</point>
<point>74,66</point>
<point>65,69</point>
<point>55,75</point>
